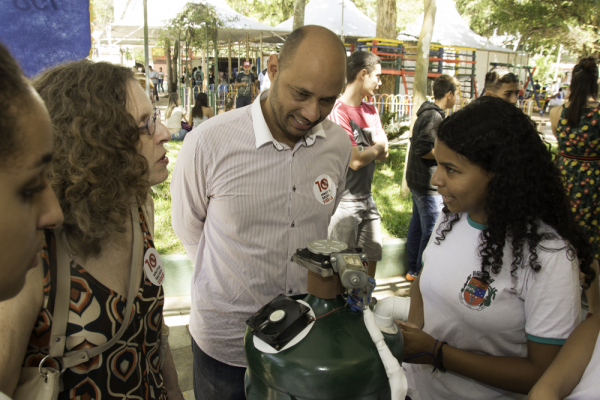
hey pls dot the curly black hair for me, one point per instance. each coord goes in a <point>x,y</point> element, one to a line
<point>525,189</point>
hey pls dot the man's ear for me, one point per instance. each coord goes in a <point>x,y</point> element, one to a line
<point>273,67</point>
<point>363,73</point>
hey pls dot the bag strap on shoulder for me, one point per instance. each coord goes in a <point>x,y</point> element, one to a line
<point>61,307</point>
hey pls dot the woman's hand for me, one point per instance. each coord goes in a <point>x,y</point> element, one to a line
<point>419,347</point>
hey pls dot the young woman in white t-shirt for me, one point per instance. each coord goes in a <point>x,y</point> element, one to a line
<point>499,292</point>
<point>174,116</point>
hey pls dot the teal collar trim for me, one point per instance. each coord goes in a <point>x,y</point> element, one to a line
<point>476,225</point>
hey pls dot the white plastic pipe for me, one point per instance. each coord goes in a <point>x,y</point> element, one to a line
<point>390,309</point>
<point>395,373</point>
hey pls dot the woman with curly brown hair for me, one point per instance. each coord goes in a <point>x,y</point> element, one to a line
<point>499,292</point>
<point>109,150</point>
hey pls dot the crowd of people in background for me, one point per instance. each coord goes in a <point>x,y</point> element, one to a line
<point>502,240</point>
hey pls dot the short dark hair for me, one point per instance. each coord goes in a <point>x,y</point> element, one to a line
<point>293,41</point>
<point>358,61</point>
<point>291,44</point>
<point>13,93</point>
<point>444,84</point>
<point>497,77</point>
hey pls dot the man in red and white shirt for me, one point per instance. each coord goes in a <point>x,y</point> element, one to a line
<point>356,221</point>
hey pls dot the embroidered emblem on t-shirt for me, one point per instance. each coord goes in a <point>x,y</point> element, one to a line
<point>476,294</point>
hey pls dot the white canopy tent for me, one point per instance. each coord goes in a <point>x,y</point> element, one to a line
<point>130,28</point>
<point>451,30</point>
<point>330,13</point>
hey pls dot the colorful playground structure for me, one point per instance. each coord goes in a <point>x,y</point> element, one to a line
<point>399,59</point>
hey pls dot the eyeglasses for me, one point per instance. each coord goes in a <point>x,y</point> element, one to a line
<point>150,124</point>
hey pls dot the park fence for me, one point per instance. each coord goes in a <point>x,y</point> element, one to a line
<point>391,108</point>
<point>398,108</point>
<point>217,95</point>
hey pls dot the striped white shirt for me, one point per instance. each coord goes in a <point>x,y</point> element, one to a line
<point>242,204</point>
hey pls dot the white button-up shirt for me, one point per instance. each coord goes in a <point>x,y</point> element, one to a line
<point>242,204</point>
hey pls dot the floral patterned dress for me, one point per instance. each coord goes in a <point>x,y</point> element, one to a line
<point>579,164</point>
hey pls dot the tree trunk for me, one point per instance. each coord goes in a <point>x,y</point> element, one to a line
<point>421,70</point>
<point>299,14</point>
<point>386,29</point>
<point>169,65</point>
<point>173,74</point>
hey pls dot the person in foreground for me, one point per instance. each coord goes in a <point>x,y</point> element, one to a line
<point>576,128</point>
<point>574,373</point>
<point>499,291</point>
<point>249,188</point>
<point>109,150</point>
<point>27,203</point>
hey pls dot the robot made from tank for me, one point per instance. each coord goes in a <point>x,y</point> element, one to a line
<point>327,344</point>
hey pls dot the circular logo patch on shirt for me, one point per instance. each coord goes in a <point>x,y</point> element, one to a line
<point>153,266</point>
<point>324,189</point>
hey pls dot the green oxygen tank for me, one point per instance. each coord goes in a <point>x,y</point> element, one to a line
<point>337,359</point>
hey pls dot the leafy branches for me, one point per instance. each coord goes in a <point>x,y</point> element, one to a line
<point>101,14</point>
<point>274,12</point>
<point>271,12</point>
<point>536,24</point>
<point>194,24</point>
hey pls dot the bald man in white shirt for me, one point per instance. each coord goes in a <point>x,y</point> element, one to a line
<point>249,188</point>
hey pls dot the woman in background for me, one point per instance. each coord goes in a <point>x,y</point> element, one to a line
<point>228,105</point>
<point>174,116</point>
<point>201,111</point>
<point>575,125</point>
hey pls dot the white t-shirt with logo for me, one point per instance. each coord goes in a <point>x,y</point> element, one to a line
<point>495,319</point>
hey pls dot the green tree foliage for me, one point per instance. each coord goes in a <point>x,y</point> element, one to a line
<point>534,24</point>
<point>193,25</point>
<point>270,12</point>
<point>274,12</point>
<point>196,25</point>
<point>544,72</point>
<point>406,11</point>
<point>138,55</point>
<point>101,14</point>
